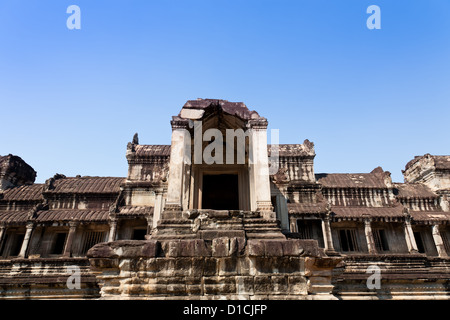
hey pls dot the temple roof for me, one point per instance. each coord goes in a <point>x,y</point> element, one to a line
<point>294,150</point>
<point>14,216</point>
<point>430,215</point>
<point>72,215</point>
<point>87,185</point>
<point>146,150</point>
<point>351,180</point>
<point>284,150</point>
<point>361,211</point>
<point>238,109</point>
<point>414,190</point>
<point>24,193</point>
<point>134,211</point>
<point>319,207</point>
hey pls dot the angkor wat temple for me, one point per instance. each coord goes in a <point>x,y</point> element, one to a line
<point>219,213</point>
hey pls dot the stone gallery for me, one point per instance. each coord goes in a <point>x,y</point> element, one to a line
<point>220,214</point>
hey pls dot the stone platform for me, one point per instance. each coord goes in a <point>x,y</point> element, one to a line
<point>221,268</point>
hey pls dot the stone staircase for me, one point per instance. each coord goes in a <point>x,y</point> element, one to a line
<point>210,224</point>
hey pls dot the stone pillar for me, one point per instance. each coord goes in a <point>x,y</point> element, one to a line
<point>438,241</point>
<point>444,203</point>
<point>2,232</point>
<point>409,236</point>
<point>283,210</point>
<point>259,170</point>
<point>70,236</point>
<point>369,236</point>
<point>293,225</point>
<point>157,210</point>
<point>26,240</point>
<point>327,237</point>
<point>181,140</point>
<point>112,230</point>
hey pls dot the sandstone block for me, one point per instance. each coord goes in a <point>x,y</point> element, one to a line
<point>228,266</point>
<point>225,246</point>
<point>186,248</point>
<point>219,285</point>
<point>273,248</point>
<point>244,285</point>
<point>297,285</point>
<point>255,248</point>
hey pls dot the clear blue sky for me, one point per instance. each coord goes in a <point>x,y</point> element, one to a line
<point>70,100</point>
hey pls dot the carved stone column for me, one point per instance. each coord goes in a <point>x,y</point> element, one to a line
<point>181,141</point>
<point>112,229</point>
<point>157,210</point>
<point>438,241</point>
<point>369,236</point>
<point>72,229</point>
<point>26,240</point>
<point>2,232</point>
<point>259,169</point>
<point>327,237</point>
<point>409,235</point>
<point>283,210</point>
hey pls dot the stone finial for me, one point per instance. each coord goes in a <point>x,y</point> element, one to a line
<point>377,170</point>
<point>135,139</point>
<point>50,183</point>
<point>131,145</point>
<point>406,212</point>
<point>59,176</point>
<point>308,144</point>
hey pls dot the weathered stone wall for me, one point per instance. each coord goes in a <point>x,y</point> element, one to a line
<point>402,276</point>
<point>46,279</point>
<point>225,268</point>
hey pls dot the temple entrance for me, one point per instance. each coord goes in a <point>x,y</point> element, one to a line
<point>220,192</point>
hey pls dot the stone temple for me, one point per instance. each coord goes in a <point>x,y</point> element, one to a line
<point>220,214</point>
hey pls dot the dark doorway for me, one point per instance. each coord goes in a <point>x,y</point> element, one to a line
<point>17,245</point>
<point>419,242</point>
<point>220,192</point>
<point>139,234</point>
<point>58,244</point>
